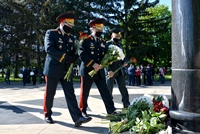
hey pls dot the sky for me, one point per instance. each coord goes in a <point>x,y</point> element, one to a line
<point>166,2</point>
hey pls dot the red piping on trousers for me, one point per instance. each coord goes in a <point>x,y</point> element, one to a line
<point>81,94</point>
<point>45,101</point>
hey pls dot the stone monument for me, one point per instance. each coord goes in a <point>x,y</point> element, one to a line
<point>185,89</point>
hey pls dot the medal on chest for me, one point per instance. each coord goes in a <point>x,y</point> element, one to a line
<point>60,46</point>
<point>60,40</point>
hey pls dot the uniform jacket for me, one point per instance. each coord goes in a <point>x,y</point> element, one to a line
<point>59,48</point>
<point>92,52</point>
<point>115,65</point>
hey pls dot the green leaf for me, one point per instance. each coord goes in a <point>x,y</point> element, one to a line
<point>156,114</point>
<point>153,121</point>
<point>162,117</point>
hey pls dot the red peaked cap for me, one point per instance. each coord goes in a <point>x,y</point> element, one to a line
<point>98,23</point>
<point>67,15</point>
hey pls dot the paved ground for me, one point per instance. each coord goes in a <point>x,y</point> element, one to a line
<point>21,110</point>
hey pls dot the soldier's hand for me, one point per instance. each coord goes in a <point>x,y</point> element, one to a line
<point>110,73</point>
<point>96,67</point>
<point>125,64</point>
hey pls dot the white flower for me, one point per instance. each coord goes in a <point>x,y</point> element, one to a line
<point>119,50</point>
<point>165,102</point>
<point>121,54</point>
<point>20,75</point>
<point>31,73</point>
<point>146,98</point>
<point>167,131</point>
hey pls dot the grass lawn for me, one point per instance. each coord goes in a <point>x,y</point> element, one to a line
<point>12,79</point>
<point>168,77</point>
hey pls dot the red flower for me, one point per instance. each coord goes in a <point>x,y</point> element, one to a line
<point>156,109</point>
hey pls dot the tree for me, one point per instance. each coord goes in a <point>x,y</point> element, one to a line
<point>157,41</point>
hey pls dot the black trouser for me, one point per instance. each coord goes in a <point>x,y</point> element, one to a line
<point>34,80</point>
<point>86,84</point>
<point>7,80</point>
<point>24,80</point>
<point>50,90</point>
<point>122,88</point>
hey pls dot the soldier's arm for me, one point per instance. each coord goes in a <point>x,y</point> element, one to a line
<point>89,62</point>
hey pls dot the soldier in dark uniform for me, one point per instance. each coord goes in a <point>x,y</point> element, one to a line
<point>7,78</point>
<point>91,53</point>
<point>34,76</point>
<point>60,49</point>
<point>25,75</point>
<point>119,76</point>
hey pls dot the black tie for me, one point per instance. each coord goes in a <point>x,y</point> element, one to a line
<point>98,41</point>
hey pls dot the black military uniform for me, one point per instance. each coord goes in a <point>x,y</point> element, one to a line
<point>34,76</point>
<point>92,51</point>
<point>60,51</point>
<point>119,76</point>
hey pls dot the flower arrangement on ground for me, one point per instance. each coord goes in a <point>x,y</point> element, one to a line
<point>145,115</point>
<point>113,54</point>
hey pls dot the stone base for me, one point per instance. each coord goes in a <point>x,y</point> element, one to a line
<point>185,120</point>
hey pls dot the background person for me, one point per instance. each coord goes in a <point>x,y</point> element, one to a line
<point>131,75</point>
<point>7,78</point>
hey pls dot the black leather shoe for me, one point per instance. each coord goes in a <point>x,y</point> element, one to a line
<point>85,114</point>
<point>49,119</point>
<point>82,120</point>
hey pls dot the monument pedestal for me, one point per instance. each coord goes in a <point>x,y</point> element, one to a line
<point>185,91</point>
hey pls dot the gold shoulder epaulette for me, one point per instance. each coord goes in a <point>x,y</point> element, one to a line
<point>54,29</point>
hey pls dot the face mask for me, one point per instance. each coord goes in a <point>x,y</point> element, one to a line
<point>116,40</point>
<point>98,34</point>
<point>66,29</point>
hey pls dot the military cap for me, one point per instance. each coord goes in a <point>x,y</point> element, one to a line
<point>97,23</point>
<point>68,17</point>
<point>117,31</point>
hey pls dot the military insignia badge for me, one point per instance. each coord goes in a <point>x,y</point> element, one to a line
<point>70,40</point>
<point>60,40</point>
<point>60,46</point>
<point>102,45</point>
<point>92,52</point>
<point>92,46</point>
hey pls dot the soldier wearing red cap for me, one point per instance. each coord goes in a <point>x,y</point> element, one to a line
<point>91,53</point>
<point>119,75</point>
<point>60,49</point>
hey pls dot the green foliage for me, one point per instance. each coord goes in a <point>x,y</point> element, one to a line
<point>147,27</point>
